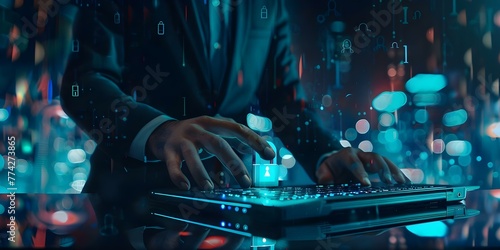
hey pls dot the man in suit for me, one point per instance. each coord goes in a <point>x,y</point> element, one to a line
<point>163,81</point>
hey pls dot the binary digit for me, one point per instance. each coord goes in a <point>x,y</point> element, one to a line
<point>406,53</point>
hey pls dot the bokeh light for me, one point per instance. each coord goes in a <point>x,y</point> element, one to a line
<point>59,217</point>
<point>487,40</point>
<point>4,115</point>
<point>435,229</point>
<point>326,101</point>
<point>391,135</point>
<point>468,57</point>
<point>394,147</point>
<point>455,118</point>
<point>426,99</point>
<point>496,19</point>
<point>362,126</point>
<point>493,130</point>
<point>76,156</point>
<point>288,161</point>
<point>421,116</point>
<point>458,148</point>
<point>366,146</point>
<point>438,146</point>
<point>89,146</point>
<point>425,83</point>
<point>386,119</point>
<point>345,143</point>
<point>259,123</point>
<point>389,101</point>
<point>78,185</point>
<point>351,134</point>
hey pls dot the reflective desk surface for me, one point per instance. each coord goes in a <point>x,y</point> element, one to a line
<point>89,221</point>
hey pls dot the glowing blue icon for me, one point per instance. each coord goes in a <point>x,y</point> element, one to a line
<point>380,45</point>
<point>347,46</point>
<point>259,123</point>
<point>259,160</point>
<point>266,175</point>
<point>117,18</point>
<point>222,206</point>
<point>417,15</point>
<point>332,7</point>
<point>361,25</point>
<point>75,46</point>
<point>222,224</point>
<point>405,18</point>
<point>263,12</point>
<point>161,28</point>
<point>75,90</point>
<point>454,9</point>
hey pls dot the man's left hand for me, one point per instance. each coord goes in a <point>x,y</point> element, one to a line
<point>350,163</point>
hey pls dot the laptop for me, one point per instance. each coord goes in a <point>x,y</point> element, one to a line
<point>277,205</point>
<point>359,221</point>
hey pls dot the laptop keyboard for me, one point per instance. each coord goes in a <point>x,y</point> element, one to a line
<point>310,192</point>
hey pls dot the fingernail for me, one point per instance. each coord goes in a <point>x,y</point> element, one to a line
<point>184,185</point>
<point>246,181</point>
<point>207,185</point>
<point>366,181</point>
<point>269,152</point>
<point>402,177</point>
<point>388,177</point>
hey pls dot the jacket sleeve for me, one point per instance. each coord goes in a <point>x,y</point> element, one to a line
<point>93,92</point>
<point>282,100</point>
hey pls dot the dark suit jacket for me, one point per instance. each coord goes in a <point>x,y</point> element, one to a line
<point>170,74</point>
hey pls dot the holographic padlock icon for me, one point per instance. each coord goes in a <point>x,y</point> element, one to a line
<point>117,18</point>
<point>161,28</point>
<point>263,12</point>
<point>75,90</point>
<point>75,46</point>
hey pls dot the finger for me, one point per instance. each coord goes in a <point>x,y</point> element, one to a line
<point>239,146</point>
<point>396,172</point>
<point>174,162</point>
<point>220,148</point>
<point>324,174</point>
<point>354,165</point>
<point>242,133</point>
<point>378,165</point>
<point>200,175</point>
<point>224,118</point>
<point>348,161</point>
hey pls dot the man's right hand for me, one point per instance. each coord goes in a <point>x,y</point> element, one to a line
<point>175,141</point>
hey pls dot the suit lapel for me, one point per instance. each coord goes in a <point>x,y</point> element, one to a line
<point>241,27</point>
<point>193,35</point>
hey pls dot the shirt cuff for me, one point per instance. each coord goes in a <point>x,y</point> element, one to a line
<point>138,146</point>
